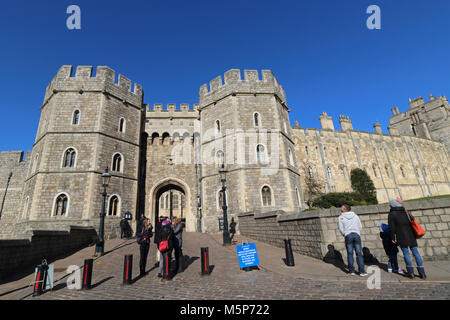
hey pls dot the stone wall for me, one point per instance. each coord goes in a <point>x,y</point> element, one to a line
<point>49,245</point>
<point>312,232</point>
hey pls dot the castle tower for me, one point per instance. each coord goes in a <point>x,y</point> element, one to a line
<point>87,124</point>
<point>428,120</point>
<point>245,124</point>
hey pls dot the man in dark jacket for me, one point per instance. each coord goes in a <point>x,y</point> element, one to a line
<point>156,238</point>
<point>402,234</point>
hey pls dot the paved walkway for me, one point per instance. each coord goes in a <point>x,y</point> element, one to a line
<point>309,279</point>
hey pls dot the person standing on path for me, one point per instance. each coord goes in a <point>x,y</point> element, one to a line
<point>156,239</point>
<point>178,244</point>
<point>166,236</point>
<point>350,227</point>
<point>143,238</point>
<point>403,235</point>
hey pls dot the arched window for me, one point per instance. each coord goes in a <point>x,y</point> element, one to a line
<point>260,154</point>
<point>374,168</point>
<point>402,171</point>
<point>291,158</point>
<point>325,151</point>
<point>266,196</point>
<point>183,202</point>
<point>76,117</point>
<point>122,125</point>
<point>306,150</point>
<point>256,120</point>
<point>117,163</point>
<point>35,162</point>
<point>114,203</point>
<point>218,127</point>
<point>167,201</point>
<point>175,201</point>
<point>25,208</point>
<point>69,158</point>
<point>310,171</point>
<point>342,172</point>
<point>299,201</point>
<point>61,204</point>
<point>329,173</point>
<point>220,157</point>
<point>387,170</point>
<point>220,199</point>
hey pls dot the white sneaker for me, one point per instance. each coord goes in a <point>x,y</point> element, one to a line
<point>363,274</point>
<point>390,270</point>
<point>352,273</point>
<point>401,271</point>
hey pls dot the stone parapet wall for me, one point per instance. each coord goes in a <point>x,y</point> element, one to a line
<point>312,232</point>
<point>22,254</point>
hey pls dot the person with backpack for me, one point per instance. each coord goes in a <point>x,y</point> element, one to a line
<point>165,247</point>
<point>402,234</point>
<point>143,239</point>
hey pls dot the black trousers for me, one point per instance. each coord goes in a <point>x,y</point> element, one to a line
<point>144,248</point>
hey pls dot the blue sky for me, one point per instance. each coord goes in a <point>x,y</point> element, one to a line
<point>320,51</point>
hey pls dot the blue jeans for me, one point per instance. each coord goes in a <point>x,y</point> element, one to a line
<point>416,254</point>
<point>353,242</point>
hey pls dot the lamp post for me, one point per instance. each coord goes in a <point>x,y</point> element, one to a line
<point>100,246</point>
<point>223,175</point>
<point>6,190</point>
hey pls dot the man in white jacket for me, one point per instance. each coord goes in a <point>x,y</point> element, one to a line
<point>350,227</point>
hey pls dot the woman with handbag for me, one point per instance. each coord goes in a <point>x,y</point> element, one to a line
<point>165,247</point>
<point>402,233</point>
<point>143,239</point>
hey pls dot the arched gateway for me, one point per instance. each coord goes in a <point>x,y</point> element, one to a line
<point>158,203</point>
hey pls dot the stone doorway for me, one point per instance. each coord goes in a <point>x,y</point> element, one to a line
<point>172,198</point>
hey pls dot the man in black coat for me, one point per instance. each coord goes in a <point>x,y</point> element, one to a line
<point>402,234</point>
<point>156,238</point>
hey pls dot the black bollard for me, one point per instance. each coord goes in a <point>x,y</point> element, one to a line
<point>127,269</point>
<point>87,274</point>
<point>204,253</point>
<point>289,255</point>
<point>40,280</point>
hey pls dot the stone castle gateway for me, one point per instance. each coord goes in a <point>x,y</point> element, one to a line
<point>164,160</point>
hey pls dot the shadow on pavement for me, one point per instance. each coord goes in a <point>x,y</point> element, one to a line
<point>334,257</point>
<point>100,282</point>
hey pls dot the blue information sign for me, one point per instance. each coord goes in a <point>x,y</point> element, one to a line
<point>247,255</point>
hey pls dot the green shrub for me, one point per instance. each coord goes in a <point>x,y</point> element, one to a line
<point>337,199</point>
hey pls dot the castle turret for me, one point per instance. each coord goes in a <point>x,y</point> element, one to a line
<point>346,123</point>
<point>248,120</point>
<point>377,128</point>
<point>87,124</point>
<point>326,122</point>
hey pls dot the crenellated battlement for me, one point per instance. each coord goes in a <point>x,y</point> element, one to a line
<point>171,107</point>
<point>104,81</point>
<point>233,83</point>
